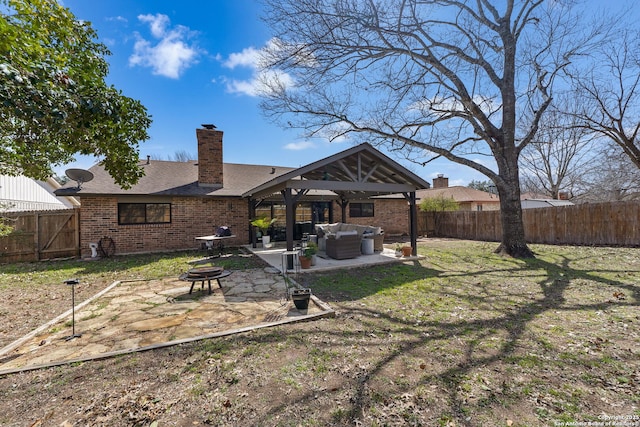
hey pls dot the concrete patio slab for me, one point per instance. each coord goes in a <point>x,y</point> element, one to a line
<point>273,256</point>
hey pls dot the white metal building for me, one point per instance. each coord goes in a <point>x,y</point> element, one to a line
<point>19,193</point>
<point>544,203</point>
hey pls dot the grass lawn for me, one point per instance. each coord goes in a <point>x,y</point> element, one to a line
<point>461,338</point>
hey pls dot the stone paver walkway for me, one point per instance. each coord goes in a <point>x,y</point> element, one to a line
<point>141,315</point>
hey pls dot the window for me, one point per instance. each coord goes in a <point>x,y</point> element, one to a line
<point>144,213</point>
<point>360,210</point>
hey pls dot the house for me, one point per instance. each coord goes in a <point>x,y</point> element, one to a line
<point>19,193</point>
<point>468,199</point>
<point>174,202</point>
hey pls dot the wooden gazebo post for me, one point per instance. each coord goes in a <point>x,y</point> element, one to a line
<point>290,202</point>
<point>413,223</point>
<point>343,203</point>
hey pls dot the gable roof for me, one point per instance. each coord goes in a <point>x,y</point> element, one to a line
<point>169,178</point>
<point>459,194</point>
<point>360,171</point>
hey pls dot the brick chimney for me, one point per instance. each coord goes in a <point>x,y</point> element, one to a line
<point>440,182</point>
<point>209,156</point>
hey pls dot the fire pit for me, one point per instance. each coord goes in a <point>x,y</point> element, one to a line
<point>202,274</point>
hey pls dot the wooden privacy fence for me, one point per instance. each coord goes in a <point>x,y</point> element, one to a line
<point>605,224</point>
<point>41,235</point>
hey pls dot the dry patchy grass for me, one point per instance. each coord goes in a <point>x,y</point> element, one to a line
<point>462,338</point>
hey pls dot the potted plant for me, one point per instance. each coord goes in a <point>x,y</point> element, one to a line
<point>406,251</point>
<point>263,223</point>
<point>312,250</point>
<point>398,250</point>
<point>307,255</point>
<point>301,298</point>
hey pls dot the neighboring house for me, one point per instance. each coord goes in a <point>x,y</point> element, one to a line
<point>174,202</point>
<point>468,199</point>
<point>19,193</point>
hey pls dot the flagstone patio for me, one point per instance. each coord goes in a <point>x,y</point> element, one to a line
<point>132,316</point>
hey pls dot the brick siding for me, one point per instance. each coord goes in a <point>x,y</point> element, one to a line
<point>190,217</point>
<point>390,214</point>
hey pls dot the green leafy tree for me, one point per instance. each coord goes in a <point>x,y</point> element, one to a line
<point>54,101</point>
<point>5,226</point>
<point>5,229</point>
<point>438,204</point>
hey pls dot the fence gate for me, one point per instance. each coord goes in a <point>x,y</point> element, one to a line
<point>41,235</point>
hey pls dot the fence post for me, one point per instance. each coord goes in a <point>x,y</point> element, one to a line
<point>76,217</point>
<point>36,235</point>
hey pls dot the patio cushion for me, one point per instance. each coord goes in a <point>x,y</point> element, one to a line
<point>332,229</point>
<point>341,233</point>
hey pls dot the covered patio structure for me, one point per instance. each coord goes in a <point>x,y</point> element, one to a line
<point>358,173</point>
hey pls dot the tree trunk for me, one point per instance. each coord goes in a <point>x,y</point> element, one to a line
<point>513,240</point>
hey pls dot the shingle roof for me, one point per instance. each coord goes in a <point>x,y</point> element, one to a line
<point>167,178</point>
<point>361,171</point>
<point>459,194</point>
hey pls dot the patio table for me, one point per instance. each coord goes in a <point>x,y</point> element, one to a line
<point>201,274</point>
<point>212,241</point>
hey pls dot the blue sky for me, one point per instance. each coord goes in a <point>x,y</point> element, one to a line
<point>191,62</point>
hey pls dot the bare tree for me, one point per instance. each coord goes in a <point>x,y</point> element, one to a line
<point>561,154</point>
<point>182,156</point>
<point>613,178</point>
<point>486,186</point>
<point>426,78</point>
<point>611,93</point>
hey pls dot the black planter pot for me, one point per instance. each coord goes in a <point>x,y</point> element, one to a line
<point>301,298</point>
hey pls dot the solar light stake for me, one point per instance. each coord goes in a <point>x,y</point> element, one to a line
<point>73,283</point>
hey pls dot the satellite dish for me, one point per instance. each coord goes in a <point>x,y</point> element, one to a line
<point>80,176</point>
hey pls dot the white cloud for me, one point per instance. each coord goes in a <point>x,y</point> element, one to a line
<point>457,183</point>
<point>157,23</point>
<point>262,80</point>
<point>302,145</point>
<point>249,57</point>
<point>246,87</point>
<point>171,55</point>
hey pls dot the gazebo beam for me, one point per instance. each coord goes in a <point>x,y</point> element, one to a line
<point>372,187</point>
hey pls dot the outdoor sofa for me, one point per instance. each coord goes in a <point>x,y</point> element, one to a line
<point>342,240</point>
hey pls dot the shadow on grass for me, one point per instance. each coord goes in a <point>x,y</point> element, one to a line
<point>521,347</point>
<point>474,321</point>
